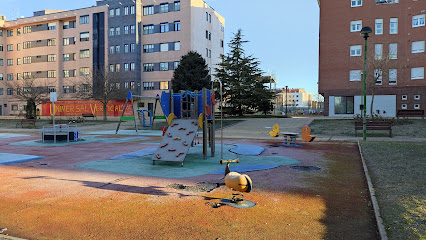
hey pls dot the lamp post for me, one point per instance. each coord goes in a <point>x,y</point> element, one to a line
<point>286,102</point>
<point>365,31</point>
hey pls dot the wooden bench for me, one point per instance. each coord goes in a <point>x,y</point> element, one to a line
<point>410,113</point>
<point>88,115</point>
<point>377,125</point>
<point>26,122</point>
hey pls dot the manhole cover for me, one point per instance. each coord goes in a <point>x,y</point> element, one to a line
<point>305,168</point>
<point>272,146</point>
<point>199,187</point>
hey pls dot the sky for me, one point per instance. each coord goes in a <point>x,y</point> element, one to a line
<point>284,48</point>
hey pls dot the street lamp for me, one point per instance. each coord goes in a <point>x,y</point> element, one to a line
<point>286,102</point>
<point>365,31</point>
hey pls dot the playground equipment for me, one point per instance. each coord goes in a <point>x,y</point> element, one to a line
<point>290,137</point>
<point>60,132</point>
<point>186,112</point>
<point>306,134</point>
<point>237,182</point>
<point>275,130</point>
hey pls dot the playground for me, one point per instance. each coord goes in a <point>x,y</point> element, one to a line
<point>114,186</point>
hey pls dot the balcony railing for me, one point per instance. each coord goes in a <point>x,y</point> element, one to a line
<point>386,1</point>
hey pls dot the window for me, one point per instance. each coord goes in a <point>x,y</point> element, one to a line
<point>164,47</point>
<point>177,6</point>
<point>84,71</point>
<point>126,29</point>
<point>67,25</point>
<point>1,33</point>
<point>222,28</point>
<point>132,67</point>
<point>416,106</point>
<point>210,53</point>
<point>27,29</point>
<point>355,75</point>
<point>84,36</point>
<point>18,47</point>
<point>177,25</point>
<point>112,68</point>
<point>164,27</point>
<point>9,62</point>
<point>27,75</point>
<point>84,19</point>
<point>133,29</point>
<point>18,61</point>
<point>51,89</point>
<point>117,31</point>
<point>68,41</point>
<point>111,31</point>
<point>51,26</point>
<point>1,47</point>
<point>19,76</point>
<point>148,48</point>
<point>343,105</point>
<point>27,45</point>
<point>1,91</point>
<point>148,10</point>
<point>148,29</point>
<point>9,47</point>
<point>9,33</point>
<point>10,91</point>
<point>27,60</point>
<point>117,67</point>
<point>148,85</point>
<point>404,97</point>
<point>51,57</point>
<point>111,12</point>
<point>378,51</point>
<point>66,73</point>
<point>378,75</point>
<point>356,26</point>
<point>164,85</point>
<point>51,74</point>
<point>126,48</point>
<point>221,43</point>
<point>84,53</point>
<point>148,67</point>
<point>117,12</point>
<point>1,76</point>
<point>126,67</point>
<point>393,26</point>
<point>111,50</point>
<point>355,50</point>
<point>51,42</point>
<point>132,10</point>
<point>68,89</point>
<point>117,49</point>
<point>1,62</point>
<point>418,20</point>
<point>417,73</point>
<point>68,57</point>
<point>132,47</point>
<point>210,36</point>
<point>177,46</point>
<point>164,66</point>
<point>164,7</point>
<point>379,27</point>
<point>210,18</point>
<point>418,47</point>
<point>393,74</point>
<point>393,51</point>
<point>10,76</point>
<point>207,34</point>
<point>207,16</point>
<point>207,52</point>
<point>132,84</point>
<point>416,97</point>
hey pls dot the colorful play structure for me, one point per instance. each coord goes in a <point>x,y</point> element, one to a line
<point>289,138</point>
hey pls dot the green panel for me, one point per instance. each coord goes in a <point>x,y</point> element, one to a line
<point>159,117</point>
<point>127,118</point>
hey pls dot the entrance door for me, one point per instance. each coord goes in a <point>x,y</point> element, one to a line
<point>1,112</point>
<point>151,107</point>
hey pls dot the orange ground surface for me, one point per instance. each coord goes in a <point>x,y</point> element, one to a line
<point>50,199</point>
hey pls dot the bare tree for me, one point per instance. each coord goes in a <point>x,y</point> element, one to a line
<point>32,91</point>
<point>103,86</point>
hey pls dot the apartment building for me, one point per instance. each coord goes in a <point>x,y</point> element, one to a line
<point>399,35</point>
<point>55,48</point>
<point>138,42</point>
<point>294,99</point>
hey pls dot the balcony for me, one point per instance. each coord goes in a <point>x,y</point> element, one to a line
<point>386,1</point>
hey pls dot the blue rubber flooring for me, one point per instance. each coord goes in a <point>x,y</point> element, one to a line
<point>8,158</point>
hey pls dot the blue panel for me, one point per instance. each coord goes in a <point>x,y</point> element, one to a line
<point>156,47</point>
<point>171,27</point>
<point>156,66</point>
<point>171,65</point>
<point>177,104</point>
<point>171,7</point>
<point>157,28</point>
<point>164,101</point>
<point>171,46</point>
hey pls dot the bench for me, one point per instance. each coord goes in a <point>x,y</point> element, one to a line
<point>377,125</point>
<point>410,113</point>
<point>88,115</point>
<point>26,122</point>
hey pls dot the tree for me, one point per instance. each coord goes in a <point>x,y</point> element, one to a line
<point>243,85</point>
<point>32,91</point>
<point>191,74</point>
<point>103,86</point>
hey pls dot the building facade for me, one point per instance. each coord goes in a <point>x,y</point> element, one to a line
<point>138,42</point>
<point>398,40</point>
<point>295,99</point>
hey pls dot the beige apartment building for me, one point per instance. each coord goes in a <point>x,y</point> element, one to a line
<point>142,41</point>
<point>55,48</point>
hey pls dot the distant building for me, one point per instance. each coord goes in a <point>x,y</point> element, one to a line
<point>398,34</point>
<point>296,99</point>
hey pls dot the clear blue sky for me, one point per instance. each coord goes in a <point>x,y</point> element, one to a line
<point>283,34</point>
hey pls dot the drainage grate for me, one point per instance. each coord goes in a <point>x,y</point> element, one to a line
<point>305,168</point>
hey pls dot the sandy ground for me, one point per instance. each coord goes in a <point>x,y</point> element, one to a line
<point>51,199</point>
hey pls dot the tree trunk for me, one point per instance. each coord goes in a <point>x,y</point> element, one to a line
<point>371,105</point>
<point>105,111</point>
<point>31,109</point>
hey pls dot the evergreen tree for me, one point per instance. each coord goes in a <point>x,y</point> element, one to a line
<point>191,74</point>
<point>243,84</point>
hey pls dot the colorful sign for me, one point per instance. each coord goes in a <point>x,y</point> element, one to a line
<point>78,107</point>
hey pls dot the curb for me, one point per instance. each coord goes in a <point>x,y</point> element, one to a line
<point>7,237</point>
<point>376,208</point>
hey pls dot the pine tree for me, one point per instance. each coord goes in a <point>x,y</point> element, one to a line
<point>243,84</point>
<point>191,74</point>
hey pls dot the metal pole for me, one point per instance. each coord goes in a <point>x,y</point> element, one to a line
<point>364,118</point>
<point>286,87</point>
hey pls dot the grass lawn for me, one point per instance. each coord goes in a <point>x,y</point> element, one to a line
<point>345,127</point>
<point>397,171</point>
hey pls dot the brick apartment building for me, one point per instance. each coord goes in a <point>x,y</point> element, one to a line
<point>399,34</point>
<point>142,41</point>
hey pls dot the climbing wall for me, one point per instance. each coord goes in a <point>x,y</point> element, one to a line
<point>176,141</point>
